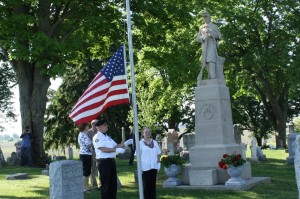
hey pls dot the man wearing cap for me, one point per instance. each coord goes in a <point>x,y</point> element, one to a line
<point>91,133</point>
<point>106,150</point>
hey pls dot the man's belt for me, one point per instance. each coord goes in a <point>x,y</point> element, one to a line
<point>106,159</point>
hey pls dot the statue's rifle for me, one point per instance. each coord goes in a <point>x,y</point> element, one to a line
<point>203,59</point>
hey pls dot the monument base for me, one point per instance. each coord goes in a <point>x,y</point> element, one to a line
<point>201,176</point>
<point>290,160</point>
<point>254,181</point>
<point>235,182</point>
<point>210,176</point>
<point>170,182</point>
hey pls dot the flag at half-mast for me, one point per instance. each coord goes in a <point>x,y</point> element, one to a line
<point>108,88</point>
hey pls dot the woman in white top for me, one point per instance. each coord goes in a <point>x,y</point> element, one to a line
<point>85,144</point>
<point>150,157</point>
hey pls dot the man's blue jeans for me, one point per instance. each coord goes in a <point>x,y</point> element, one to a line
<point>28,155</point>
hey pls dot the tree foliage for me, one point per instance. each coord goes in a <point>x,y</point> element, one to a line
<point>6,83</point>
<point>267,57</point>
<point>40,38</point>
<point>297,124</point>
<point>167,63</point>
<point>260,43</point>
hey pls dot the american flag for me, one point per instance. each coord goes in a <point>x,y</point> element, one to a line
<point>108,88</point>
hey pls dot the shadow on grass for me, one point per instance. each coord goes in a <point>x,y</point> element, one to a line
<point>35,191</point>
<point>39,193</point>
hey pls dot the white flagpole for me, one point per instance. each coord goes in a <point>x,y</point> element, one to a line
<point>136,132</point>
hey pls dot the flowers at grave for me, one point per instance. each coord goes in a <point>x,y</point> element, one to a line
<point>234,160</point>
<point>168,160</point>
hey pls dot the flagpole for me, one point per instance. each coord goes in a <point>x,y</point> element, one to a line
<point>136,128</point>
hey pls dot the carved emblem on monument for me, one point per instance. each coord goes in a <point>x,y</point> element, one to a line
<point>207,111</point>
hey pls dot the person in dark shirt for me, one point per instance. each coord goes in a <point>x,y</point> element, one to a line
<point>132,148</point>
<point>26,145</point>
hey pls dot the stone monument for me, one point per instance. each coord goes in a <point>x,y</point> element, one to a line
<point>260,155</point>
<point>291,147</point>
<point>213,116</point>
<point>170,142</point>
<point>244,149</point>
<point>254,149</point>
<point>291,128</point>
<point>70,152</point>
<point>237,133</point>
<point>297,163</point>
<point>188,141</point>
<point>46,170</point>
<point>66,180</point>
<point>209,36</point>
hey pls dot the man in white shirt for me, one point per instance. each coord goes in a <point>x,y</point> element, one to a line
<point>106,150</point>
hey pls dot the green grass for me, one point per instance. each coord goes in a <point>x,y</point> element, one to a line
<point>8,147</point>
<point>282,186</point>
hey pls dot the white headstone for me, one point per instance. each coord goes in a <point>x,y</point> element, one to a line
<point>170,142</point>
<point>297,163</point>
<point>237,133</point>
<point>2,160</point>
<point>70,150</point>
<point>66,180</point>
<point>291,148</point>
<point>291,128</point>
<point>244,149</point>
<point>253,149</point>
<point>188,140</point>
<point>261,156</point>
<point>170,148</point>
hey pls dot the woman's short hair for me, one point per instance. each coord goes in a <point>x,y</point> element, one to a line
<point>146,129</point>
<point>83,126</point>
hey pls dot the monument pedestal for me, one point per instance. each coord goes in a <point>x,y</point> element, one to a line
<point>214,133</point>
<point>290,160</point>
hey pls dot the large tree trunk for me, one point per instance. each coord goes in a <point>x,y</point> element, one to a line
<point>280,108</point>
<point>279,125</point>
<point>33,86</point>
<point>281,132</point>
<point>276,107</point>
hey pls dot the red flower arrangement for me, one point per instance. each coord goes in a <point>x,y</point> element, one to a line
<point>233,160</point>
<point>167,160</point>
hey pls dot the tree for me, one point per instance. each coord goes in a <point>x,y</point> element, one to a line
<point>39,38</point>
<point>250,113</point>
<point>261,40</point>
<point>167,64</point>
<point>253,32</point>
<point>297,124</point>
<point>6,79</point>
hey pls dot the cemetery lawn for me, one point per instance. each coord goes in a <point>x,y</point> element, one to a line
<point>283,183</point>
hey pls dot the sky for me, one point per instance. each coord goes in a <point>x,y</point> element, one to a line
<point>15,127</point>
